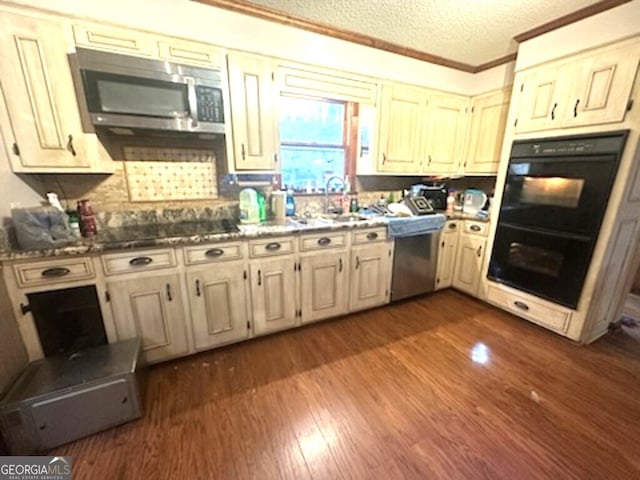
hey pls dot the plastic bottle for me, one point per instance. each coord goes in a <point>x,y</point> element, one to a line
<point>451,201</point>
<point>262,208</point>
<point>290,204</point>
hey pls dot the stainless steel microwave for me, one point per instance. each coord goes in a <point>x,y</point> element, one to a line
<point>125,92</point>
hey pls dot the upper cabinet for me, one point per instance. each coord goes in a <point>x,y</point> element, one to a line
<point>488,121</point>
<point>589,90</point>
<point>446,133</point>
<point>132,42</point>
<point>253,113</point>
<point>39,118</point>
<point>403,110</point>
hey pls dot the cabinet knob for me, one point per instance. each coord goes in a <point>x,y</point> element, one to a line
<point>55,272</point>
<point>324,241</point>
<point>214,252</point>
<point>140,261</point>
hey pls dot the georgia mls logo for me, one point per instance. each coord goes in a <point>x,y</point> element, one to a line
<point>35,468</point>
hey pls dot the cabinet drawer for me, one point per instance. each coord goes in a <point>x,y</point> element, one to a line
<point>138,261</point>
<point>183,52</point>
<point>270,246</point>
<point>537,311</point>
<point>53,271</point>
<point>105,38</point>
<point>219,252</point>
<point>321,241</point>
<point>476,228</point>
<point>369,235</point>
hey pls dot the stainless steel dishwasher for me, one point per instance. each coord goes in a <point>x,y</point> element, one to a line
<point>415,258</point>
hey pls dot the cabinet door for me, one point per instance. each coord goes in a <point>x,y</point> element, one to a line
<point>488,122</point>
<point>370,276</point>
<point>324,285</point>
<point>401,113</point>
<point>37,91</point>
<point>603,87</point>
<point>541,101</point>
<point>469,263</point>
<point>219,307</point>
<point>447,256</point>
<point>446,134</point>
<point>273,284</point>
<point>253,113</point>
<point>150,308</point>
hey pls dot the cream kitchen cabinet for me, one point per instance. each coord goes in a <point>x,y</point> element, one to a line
<point>219,304</point>
<point>446,134</point>
<point>253,113</point>
<point>324,284</point>
<point>470,256</point>
<point>447,254</point>
<point>370,281</point>
<point>273,275</point>
<point>39,118</point>
<point>150,306</point>
<point>488,122</point>
<point>403,112</point>
<point>592,89</point>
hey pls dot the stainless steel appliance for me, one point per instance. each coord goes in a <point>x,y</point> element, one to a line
<point>62,398</point>
<point>555,197</point>
<point>123,94</point>
<point>415,254</point>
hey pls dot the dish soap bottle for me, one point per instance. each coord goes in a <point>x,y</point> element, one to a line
<point>290,204</point>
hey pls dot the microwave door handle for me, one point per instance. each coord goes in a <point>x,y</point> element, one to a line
<point>193,101</point>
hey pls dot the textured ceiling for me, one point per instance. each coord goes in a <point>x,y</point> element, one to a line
<point>467,31</point>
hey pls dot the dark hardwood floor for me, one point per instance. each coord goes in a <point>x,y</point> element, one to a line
<point>436,388</point>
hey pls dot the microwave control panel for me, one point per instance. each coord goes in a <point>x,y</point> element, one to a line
<point>209,104</point>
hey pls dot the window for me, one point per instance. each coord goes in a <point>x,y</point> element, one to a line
<point>312,142</point>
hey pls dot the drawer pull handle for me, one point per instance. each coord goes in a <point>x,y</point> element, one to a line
<point>169,296</point>
<point>140,261</point>
<point>521,305</point>
<point>324,241</point>
<point>273,246</point>
<point>372,236</point>
<point>475,228</point>
<point>452,226</point>
<point>214,252</point>
<point>55,272</point>
<point>198,293</point>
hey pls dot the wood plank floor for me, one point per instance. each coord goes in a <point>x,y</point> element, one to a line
<point>436,388</point>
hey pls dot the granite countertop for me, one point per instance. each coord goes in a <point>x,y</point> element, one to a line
<point>193,233</point>
<point>182,233</point>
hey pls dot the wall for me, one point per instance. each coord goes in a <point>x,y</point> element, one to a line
<point>13,356</point>
<point>12,188</point>
<point>242,32</point>
<point>606,27</point>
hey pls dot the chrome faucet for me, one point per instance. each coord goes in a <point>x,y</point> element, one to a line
<point>329,207</point>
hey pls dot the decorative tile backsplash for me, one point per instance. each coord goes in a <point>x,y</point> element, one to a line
<point>161,174</point>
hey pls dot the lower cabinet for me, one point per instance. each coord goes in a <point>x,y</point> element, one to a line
<point>273,291</point>
<point>150,307</point>
<point>324,285</point>
<point>219,304</point>
<point>447,254</point>
<point>370,275</point>
<point>469,263</point>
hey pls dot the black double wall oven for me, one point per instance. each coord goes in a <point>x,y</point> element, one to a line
<point>555,197</point>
